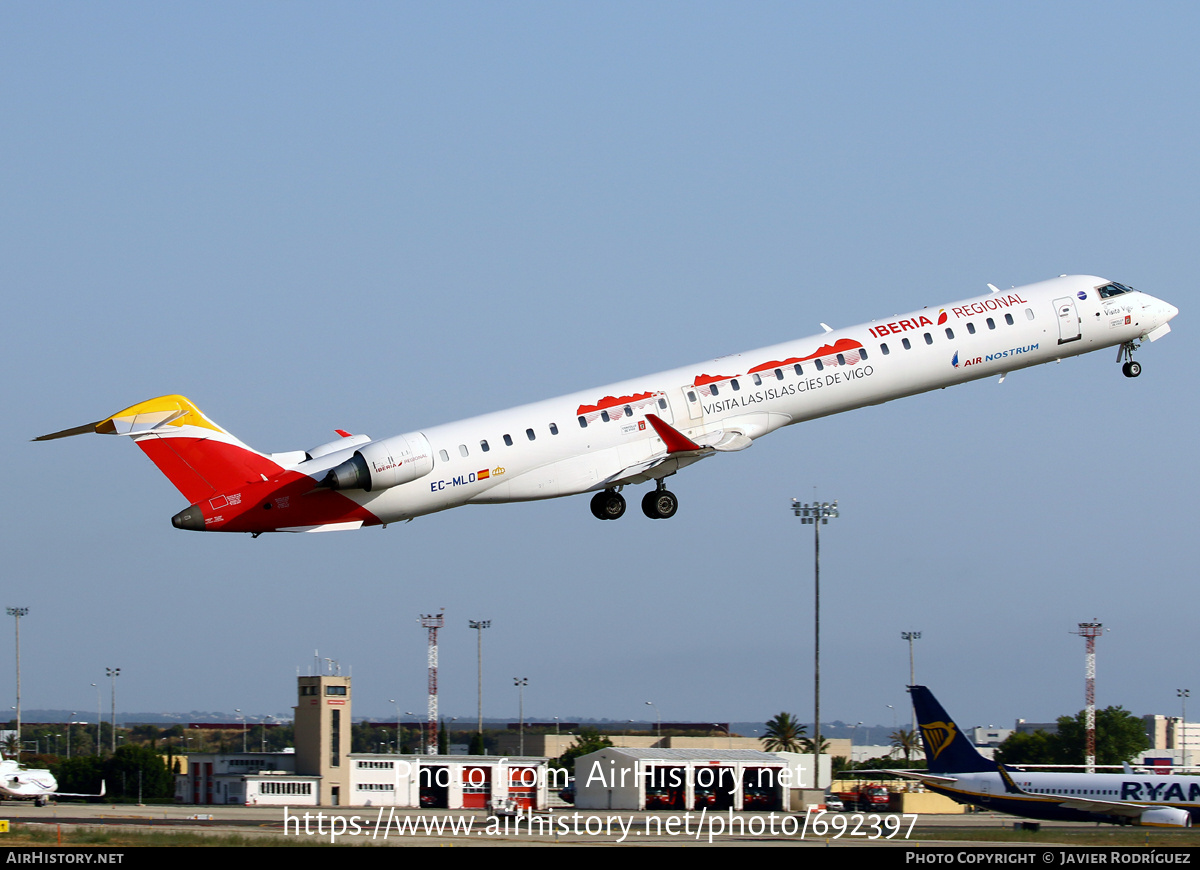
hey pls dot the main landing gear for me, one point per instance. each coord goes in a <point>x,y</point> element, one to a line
<point>1130,369</point>
<point>658,504</point>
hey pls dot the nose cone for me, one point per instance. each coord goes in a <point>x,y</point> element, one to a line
<point>189,518</point>
<point>1171,311</point>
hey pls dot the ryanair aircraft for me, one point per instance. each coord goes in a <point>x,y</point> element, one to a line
<point>957,770</point>
<point>638,431</point>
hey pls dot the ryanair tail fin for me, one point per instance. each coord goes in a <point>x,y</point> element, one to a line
<point>947,749</point>
<point>195,454</point>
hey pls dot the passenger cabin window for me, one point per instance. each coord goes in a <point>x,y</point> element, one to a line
<point>462,448</point>
<point>907,344</point>
<point>483,445</point>
<point>779,374</point>
<point>445,456</point>
<point>799,370</point>
<point>883,349</point>
<point>662,403</point>
<point>553,428</point>
<point>736,386</point>
<point>757,380</point>
<point>841,358</point>
<point>529,434</point>
<point>971,328</point>
<point>713,389</point>
<point>820,365</point>
<point>991,323</point>
<point>1029,314</point>
<point>949,332</point>
<point>1008,319</point>
<point>508,441</point>
<point>862,353</point>
<point>692,396</point>
<point>928,338</point>
<point>604,416</point>
<point>582,425</point>
<point>628,411</point>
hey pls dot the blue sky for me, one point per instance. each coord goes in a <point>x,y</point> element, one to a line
<point>383,216</point>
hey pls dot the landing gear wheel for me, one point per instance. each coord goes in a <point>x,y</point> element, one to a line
<point>1131,369</point>
<point>608,505</point>
<point>660,504</point>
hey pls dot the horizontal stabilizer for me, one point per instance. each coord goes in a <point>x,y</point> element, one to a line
<point>67,433</point>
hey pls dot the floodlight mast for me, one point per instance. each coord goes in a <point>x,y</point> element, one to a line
<point>816,514</point>
<point>433,621</point>
<point>1090,631</point>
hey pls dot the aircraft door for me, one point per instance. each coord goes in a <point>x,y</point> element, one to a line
<point>1068,320</point>
<point>691,402</point>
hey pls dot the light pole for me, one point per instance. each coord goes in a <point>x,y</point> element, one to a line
<point>242,716</point>
<point>910,636</point>
<point>1182,695</point>
<point>479,625</point>
<point>521,683</point>
<point>113,673</point>
<point>99,717</point>
<point>816,514</point>
<point>657,716</point>
<point>17,613</point>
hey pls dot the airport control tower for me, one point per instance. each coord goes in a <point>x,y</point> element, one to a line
<point>323,735</point>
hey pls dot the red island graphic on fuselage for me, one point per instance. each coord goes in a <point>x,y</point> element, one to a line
<point>848,347</point>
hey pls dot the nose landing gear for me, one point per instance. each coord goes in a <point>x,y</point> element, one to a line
<point>1130,368</point>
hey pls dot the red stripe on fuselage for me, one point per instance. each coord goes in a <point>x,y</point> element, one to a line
<point>290,499</point>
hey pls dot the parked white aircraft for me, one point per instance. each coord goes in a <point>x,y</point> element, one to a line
<point>18,782</point>
<point>632,432</point>
<point>957,770</point>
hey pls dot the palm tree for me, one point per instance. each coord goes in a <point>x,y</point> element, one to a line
<point>806,745</point>
<point>784,734</point>
<point>906,742</point>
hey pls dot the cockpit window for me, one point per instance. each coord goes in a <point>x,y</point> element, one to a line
<point>1114,289</point>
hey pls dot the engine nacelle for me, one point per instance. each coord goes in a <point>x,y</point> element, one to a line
<point>335,446</point>
<point>383,464</point>
<point>1166,817</point>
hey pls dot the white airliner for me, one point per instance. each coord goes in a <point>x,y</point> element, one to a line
<point>633,432</point>
<point>18,782</point>
<point>957,770</point>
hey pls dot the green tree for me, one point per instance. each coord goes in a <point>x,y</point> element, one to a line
<point>905,742</point>
<point>132,764</point>
<point>478,744</point>
<point>783,734</point>
<point>81,774</point>
<point>589,740</point>
<point>806,745</point>
<point>1119,737</point>
<point>1024,747</point>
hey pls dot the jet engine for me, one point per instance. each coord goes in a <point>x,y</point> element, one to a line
<point>383,464</point>
<point>334,446</point>
<point>1166,817</point>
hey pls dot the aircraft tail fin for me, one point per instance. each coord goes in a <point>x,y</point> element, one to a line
<point>195,454</point>
<point>947,749</point>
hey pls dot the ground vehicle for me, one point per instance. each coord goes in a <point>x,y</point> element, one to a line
<point>867,797</point>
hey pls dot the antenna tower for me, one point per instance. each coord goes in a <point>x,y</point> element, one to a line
<point>432,621</point>
<point>1090,631</point>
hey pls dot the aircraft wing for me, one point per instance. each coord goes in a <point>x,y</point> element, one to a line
<point>1124,809</point>
<point>923,775</point>
<point>680,451</point>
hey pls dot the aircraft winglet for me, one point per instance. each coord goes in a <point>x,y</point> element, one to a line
<point>675,441</point>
